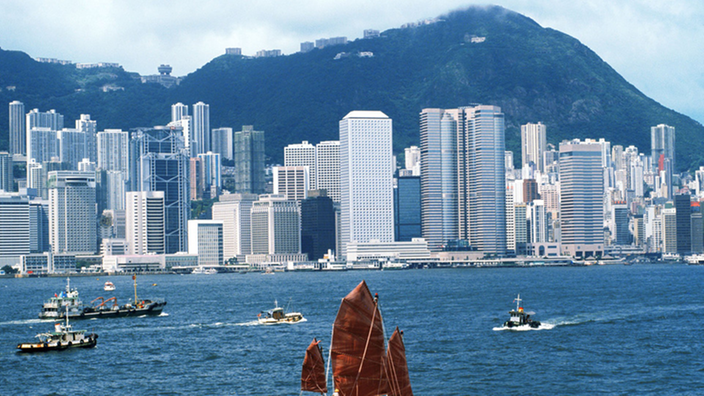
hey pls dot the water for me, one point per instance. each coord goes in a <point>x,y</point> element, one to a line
<point>615,330</point>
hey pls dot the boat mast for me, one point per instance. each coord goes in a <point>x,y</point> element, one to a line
<point>134,278</point>
<point>518,302</point>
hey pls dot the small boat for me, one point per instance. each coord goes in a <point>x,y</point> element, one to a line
<point>278,315</point>
<point>63,337</point>
<point>520,319</point>
<point>204,271</point>
<point>109,286</point>
<point>64,301</point>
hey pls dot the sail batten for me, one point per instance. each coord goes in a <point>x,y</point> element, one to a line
<point>313,373</point>
<point>357,348</point>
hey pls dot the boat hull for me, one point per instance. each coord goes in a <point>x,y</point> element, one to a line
<point>290,318</point>
<point>90,341</point>
<point>152,309</point>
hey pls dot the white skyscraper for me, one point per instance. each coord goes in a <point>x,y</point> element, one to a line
<point>275,225</point>
<point>291,181</point>
<point>178,111</point>
<point>90,129</point>
<point>662,144</point>
<point>72,217</point>
<point>201,127</point>
<point>533,144</point>
<point>113,150</point>
<point>211,171</point>
<point>144,218</point>
<point>42,144</point>
<point>72,146</point>
<point>302,154</point>
<point>327,168</point>
<point>14,225</point>
<point>18,132</point>
<point>366,178</point>
<point>205,240</point>
<point>412,159</point>
<point>234,210</point>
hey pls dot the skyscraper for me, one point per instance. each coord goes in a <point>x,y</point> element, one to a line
<point>438,176</point>
<point>662,144</point>
<point>178,111</point>
<point>222,142</point>
<point>205,240</point>
<point>89,128</point>
<point>201,127</point>
<point>113,151</point>
<point>14,225</point>
<point>72,146</point>
<point>144,218</point>
<point>249,161</point>
<point>275,225</point>
<point>482,179</point>
<point>7,181</point>
<point>302,154</point>
<point>234,210</point>
<point>42,144</point>
<point>18,132</point>
<point>684,223</point>
<point>533,144</point>
<point>327,168</point>
<point>291,181</point>
<point>211,173</point>
<point>317,225</point>
<point>72,212</point>
<point>161,164</point>
<point>366,178</point>
<point>581,198</point>
<point>407,213</point>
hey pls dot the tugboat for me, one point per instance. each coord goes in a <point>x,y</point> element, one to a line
<point>66,300</point>
<point>521,319</point>
<point>278,315</point>
<point>109,286</point>
<point>63,337</point>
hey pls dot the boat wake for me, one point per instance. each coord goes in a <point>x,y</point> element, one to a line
<point>25,321</point>
<point>543,326</point>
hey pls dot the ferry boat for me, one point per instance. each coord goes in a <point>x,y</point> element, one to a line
<point>204,271</point>
<point>521,319</point>
<point>65,301</point>
<point>278,315</point>
<point>109,286</point>
<point>63,337</point>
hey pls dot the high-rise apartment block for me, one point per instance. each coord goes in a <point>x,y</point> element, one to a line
<point>90,129</point>
<point>145,222</point>
<point>366,178</point>
<point>201,127</point>
<point>18,131</point>
<point>327,167</point>
<point>581,198</point>
<point>222,142</point>
<point>178,111</point>
<point>302,154</point>
<point>662,144</point>
<point>72,212</point>
<point>533,145</point>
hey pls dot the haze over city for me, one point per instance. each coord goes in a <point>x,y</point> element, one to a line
<point>650,43</point>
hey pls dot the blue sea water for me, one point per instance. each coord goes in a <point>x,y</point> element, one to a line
<point>617,330</point>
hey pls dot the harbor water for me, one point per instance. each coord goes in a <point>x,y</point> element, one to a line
<point>614,330</point>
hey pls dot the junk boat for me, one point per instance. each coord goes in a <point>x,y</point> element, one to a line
<point>361,359</point>
<point>520,319</point>
<point>63,337</point>
<point>278,315</point>
<point>109,286</point>
<point>67,301</point>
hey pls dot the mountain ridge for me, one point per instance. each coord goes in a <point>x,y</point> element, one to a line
<point>486,55</point>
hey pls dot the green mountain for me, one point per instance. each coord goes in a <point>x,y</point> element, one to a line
<point>485,55</point>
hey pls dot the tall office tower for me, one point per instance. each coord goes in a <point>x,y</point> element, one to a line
<point>617,157</point>
<point>221,142</point>
<point>234,210</point>
<point>161,164</point>
<point>521,231</point>
<point>39,226</point>
<point>275,225</point>
<point>196,178</point>
<point>291,181</point>
<point>72,147</point>
<point>438,176</point>
<point>113,151</point>
<point>639,230</point>
<point>407,217</point>
<point>72,225</point>
<point>18,132</point>
<point>482,181</point>
<point>90,129</point>
<point>114,184</point>
<point>145,227</point>
<point>178,111</point>
<point>42,144</point>
<point>249,161</point>
<point>302,154</point>
<point>7,181</point>
<point>530,190</point>
<point>211,173</point>
<point>684,223</point>
<point>669,230</point>
<point>327,168</point>
<point>533,144</point>
<point>14,225</point>
<point>206,241</point>
<point>201,127</point>
<point>621,235</point>
<point>581,198</point>
<point>636,175</point>
<point>412,159</point>
<point>366,178</point>
<point>538,221</point>
<point>662,144</point>
<point>510,220</point>
<point>317,225</point>
<point>697,228</point>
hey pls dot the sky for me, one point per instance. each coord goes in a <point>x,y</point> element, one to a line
<point>658,46</point>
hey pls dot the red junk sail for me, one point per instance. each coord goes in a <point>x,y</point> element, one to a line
<point>357,349</point>
<point>396,366</point>
<point>313,374</point>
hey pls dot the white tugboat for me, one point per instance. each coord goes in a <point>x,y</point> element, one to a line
<point>63,337</point>
<point>520,319</point>
<point>67,301</point>
<point>278,315</point>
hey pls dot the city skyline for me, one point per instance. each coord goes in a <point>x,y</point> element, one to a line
<point>626,35</point>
